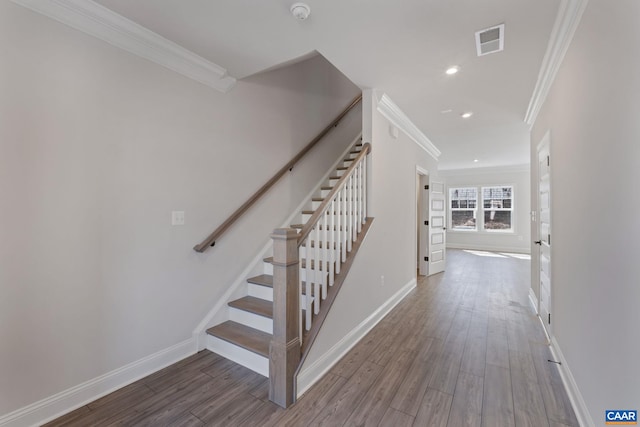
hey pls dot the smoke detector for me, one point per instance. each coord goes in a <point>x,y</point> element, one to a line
<point>300,10</point>
<point>490,40</point>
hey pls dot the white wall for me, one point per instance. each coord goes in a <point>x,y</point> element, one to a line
<point>390,247</point>
<point>97,147</point>
<point>592,114</point>
<point>518,177</point>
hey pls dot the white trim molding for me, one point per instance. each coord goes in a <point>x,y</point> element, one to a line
<point>487,170</point>
<point>311,374</point>
<point>533,299</point>
<point>577,401</point>
<point>104,24</point>
<point>398,118</point>
<point>567,21</point>
<point>66,401</point>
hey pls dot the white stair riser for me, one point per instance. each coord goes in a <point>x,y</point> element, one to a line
<point>246,358</point>
<point>266,293</point>
<point>252,320</point>
<point>262,292</point>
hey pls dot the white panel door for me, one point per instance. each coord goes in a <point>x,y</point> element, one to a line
<point>423,225</point>
<point>437,230</point>
<point>544,232</point>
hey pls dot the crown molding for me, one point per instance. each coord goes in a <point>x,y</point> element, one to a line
<point>104,24</point>
<point>567,21</point>
<point>395,115</point>
<point>524,168</point>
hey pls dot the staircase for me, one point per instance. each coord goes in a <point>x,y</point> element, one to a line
<point>245,338</point>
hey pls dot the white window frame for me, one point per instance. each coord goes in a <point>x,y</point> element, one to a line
<point>451,209</point>
<point>502,209</point>
<point>480,211</point>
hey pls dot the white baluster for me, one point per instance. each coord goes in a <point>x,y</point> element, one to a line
<point>359,197</point>
<point>364,190</point>
<point>325,254</point>
<point>349,212</point>
<point>343,214</point>
<point>308,280</point>
<point>316,269</point>
<point>335,264</point>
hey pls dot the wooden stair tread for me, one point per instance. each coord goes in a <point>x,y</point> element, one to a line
<point>254,305</point>
<point>342,168</point>
<point>243,336</point>
<point>326,188</point>
<point>262,280</point>
<point>317,199</point>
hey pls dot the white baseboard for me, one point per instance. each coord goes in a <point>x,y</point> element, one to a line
<point>66,401</point>
<point>211,319</point>
<point>577,401</point>
<point>491,248</point>
<point>533,299</point>
<point>310,375</point>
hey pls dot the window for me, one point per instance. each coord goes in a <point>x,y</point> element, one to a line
<point>484,209</point>
<point>498,208</point>
<point>463,203</point>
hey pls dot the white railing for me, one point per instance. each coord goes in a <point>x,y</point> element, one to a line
<point>327,237</point>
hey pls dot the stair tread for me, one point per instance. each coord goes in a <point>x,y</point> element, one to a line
<point>242,336</point>
<point>262,280</point>
<point>267,281</point>
<point>326,188</point>
<point>254,305</point>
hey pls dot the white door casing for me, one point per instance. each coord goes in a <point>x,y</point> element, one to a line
<point>544,232</point>
<point>423,221</point>
<point>437,229</point>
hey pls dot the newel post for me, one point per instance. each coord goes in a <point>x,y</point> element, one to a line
<point>284,351</point>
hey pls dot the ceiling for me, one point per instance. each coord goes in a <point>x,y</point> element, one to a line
<point>400,47</point>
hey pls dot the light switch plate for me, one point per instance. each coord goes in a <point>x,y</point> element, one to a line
<point>177,218</point>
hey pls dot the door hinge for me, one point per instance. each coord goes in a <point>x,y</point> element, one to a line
<point>426,258</point>
<point>426,223</point>
<point>426,187</point>
<point>549,239</point>
<point>549,318</point>
<point>548,161</point>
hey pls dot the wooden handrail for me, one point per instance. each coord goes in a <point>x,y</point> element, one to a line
<point>306,229</point>
<point>211,240</point>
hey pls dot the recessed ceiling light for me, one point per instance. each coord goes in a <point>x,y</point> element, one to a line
<point>466,115</point>
<point>452,70</point>
<point>475,160</point>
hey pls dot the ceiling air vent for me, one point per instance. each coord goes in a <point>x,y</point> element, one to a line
<point>490,40</point>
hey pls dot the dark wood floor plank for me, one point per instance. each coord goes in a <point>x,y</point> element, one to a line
<point>340,406</point>
<point>412,389</point>
<point>393,418</point>
<point>175,376</point>
<point>434,409</point>
<point>186,420</point>
<point>311,403</point>
<point>375,402</point>
<point>528,403</point>
<point>497,404</point>
<point>466,408</point>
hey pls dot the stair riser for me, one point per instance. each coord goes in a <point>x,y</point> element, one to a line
<point>266,293</point>
<point>252,320</point>
<point>246,358</point>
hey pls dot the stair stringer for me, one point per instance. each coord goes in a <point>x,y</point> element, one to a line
<point>220,311</point>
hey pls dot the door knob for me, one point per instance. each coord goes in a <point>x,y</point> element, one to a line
<point>538,242</point>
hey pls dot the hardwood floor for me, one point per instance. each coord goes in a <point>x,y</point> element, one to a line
<point>463,349</point>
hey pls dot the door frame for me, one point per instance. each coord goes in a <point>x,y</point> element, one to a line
<point>422,214</point>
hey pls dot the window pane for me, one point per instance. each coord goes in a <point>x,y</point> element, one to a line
<point>454,204</point>
<point>463,204</point>
<point>507,203</point>
<point>497,220</point>
<point>463,220</point>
